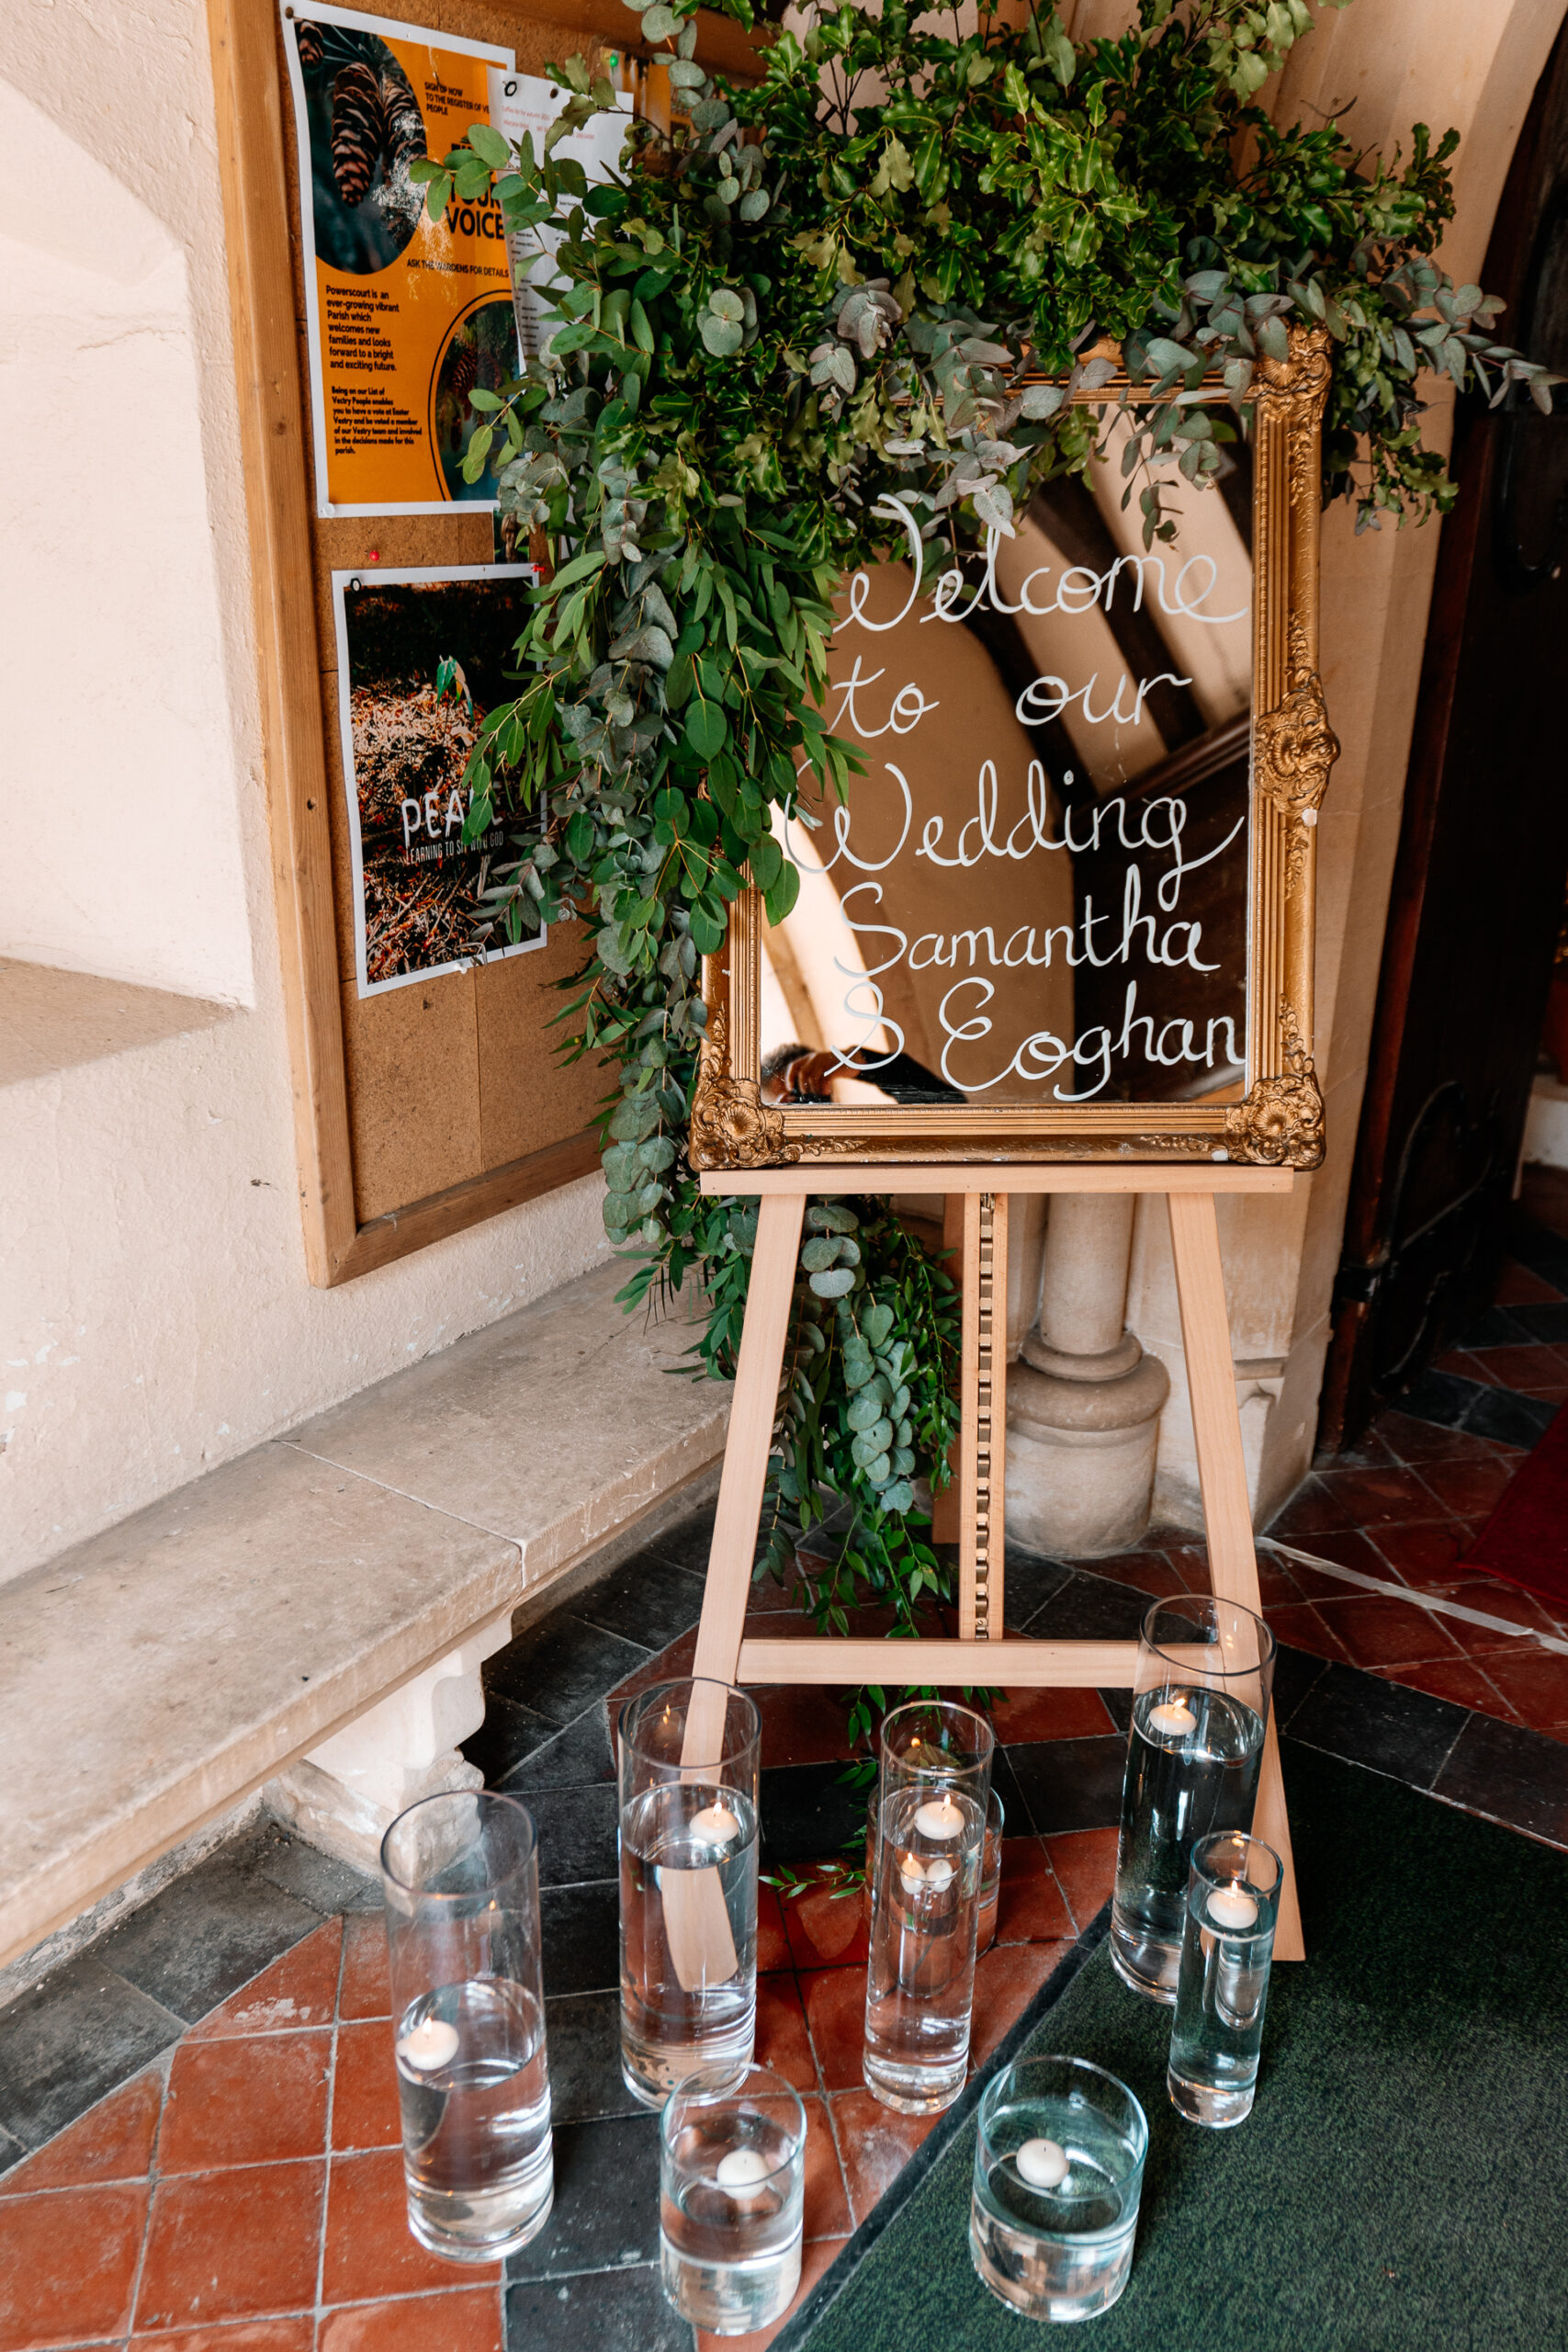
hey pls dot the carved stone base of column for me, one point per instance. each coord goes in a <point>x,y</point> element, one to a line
<point>1080,1456</point>
<point>343,1795</point>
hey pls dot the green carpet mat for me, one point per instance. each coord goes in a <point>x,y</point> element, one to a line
<point>1404,2178</point>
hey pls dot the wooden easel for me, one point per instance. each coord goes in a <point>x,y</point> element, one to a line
<point>981,1655</point>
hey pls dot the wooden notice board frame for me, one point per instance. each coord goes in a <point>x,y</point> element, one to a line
<point>255,131</point>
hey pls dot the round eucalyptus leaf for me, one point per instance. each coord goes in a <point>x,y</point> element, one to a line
<point>722,336</point>
<point>755,204</point>
<point>834,1283</point>
<point>726,304</point>
<point>660,23</point>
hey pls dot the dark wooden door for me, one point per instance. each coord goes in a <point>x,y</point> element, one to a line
<point>1478,882</point>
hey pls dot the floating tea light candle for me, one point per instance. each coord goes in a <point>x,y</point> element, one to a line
<point>941,1817</point>
<point>1175,1716</point>
<point>911,1873</point>
<point>1233,1907</point>
<point>1041,2163</point>
<point>739,2171</point>
<point>428,2045</point>
<point>939,1873</point>
<point>715,1825</point>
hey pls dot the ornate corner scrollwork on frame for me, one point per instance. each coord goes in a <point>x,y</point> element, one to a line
<point>731,1127</point>
<point>1294,748</point>
<point>1279,1124</point>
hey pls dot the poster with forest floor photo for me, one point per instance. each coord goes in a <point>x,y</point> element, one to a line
<point>417,884</point>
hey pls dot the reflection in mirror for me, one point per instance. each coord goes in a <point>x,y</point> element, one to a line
<point>1036,895</point>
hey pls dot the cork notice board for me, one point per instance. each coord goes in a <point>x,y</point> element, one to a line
<point>421,1109</point>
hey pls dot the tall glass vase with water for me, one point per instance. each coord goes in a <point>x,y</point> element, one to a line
<point>687,1761</point>
<point>461,1879</point>
<point>933,1786</point>
<point>1194,1754</point>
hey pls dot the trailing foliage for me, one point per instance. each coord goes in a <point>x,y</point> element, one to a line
<point>826,309</point>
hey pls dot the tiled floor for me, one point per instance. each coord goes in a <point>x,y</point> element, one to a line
<point>198,2120</point>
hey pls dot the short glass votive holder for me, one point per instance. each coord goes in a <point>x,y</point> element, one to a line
<point>932,1791</point>
<point>1058,2173</point>
<point>1194,1755</point>
<point>687,1761</point>
<point>731,2199</point>
<point>990,1869</point>
<point>461,1879</point>
<point>1227,1946</point>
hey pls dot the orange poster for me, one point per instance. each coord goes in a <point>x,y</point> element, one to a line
<point>406,315</point>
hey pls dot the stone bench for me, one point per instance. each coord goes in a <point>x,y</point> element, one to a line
<point>310,1621</point>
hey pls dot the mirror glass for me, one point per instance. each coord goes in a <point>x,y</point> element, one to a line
<point>1036,894</point>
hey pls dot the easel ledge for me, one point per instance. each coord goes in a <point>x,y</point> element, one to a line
<point>929,1176</point>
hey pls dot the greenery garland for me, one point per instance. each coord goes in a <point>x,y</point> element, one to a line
<point>844,283</point>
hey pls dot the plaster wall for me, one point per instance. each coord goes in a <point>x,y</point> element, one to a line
<point>156,1315</point>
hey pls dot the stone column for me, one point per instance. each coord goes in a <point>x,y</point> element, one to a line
<point>1084,1402</point>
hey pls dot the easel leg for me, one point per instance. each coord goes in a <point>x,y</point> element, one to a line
<point>1222,1477</point>
<point>982,1443</point>
<point>751,1415</point>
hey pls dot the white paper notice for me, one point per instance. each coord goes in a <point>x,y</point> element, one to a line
<point>525,102</point>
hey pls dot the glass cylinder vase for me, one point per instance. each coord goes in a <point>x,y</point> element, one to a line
<point>461,1879</point>
<point>687,1760</point>
<point>933,1788</point>
<point>1194,1754</point>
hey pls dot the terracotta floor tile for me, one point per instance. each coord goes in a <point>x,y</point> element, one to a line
<point>1525,1367</point>
<point>1468,1490</point>
<point>1423,1441</point>
<point>1051,1714</point>
<point>826,1930</point>
<point>113,2141</point>
<point>68,2264</point>
<point>773,1943</point>
<point>365,1991</point>
<point>258,2098</point>
<point>1376,1631</point>
<point>467,2319</point>
<point>1031,1906</point>
<point>1299,1627</point>
<point>1459,1364</point>
<point>835,2011</point>
<point>1519,1287</point>
<point>875,2144</point>
<point>1346,1547</point>
<point>802,1723</point>
<point>1535,1684</point>
<point>1006,1981</point>
<point>1494,1597</point>
<point>370,2250</point>
<point>783,2042</point>
<point>1356,1499</point>
<point>1085,1863</point>
<point>231,2246</point>
<point>365,2088</point>
<point>1458,1679</point>
<point>814,2260</point>
<point>251,2336</point>
<point>827,2206</point>
<point>1426,1558</point>
<point>300,1989</point>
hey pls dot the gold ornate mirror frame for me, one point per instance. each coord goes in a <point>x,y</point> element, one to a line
<point>1279,1120</point>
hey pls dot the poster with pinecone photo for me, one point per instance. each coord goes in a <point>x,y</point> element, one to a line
<point>406,315</point>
